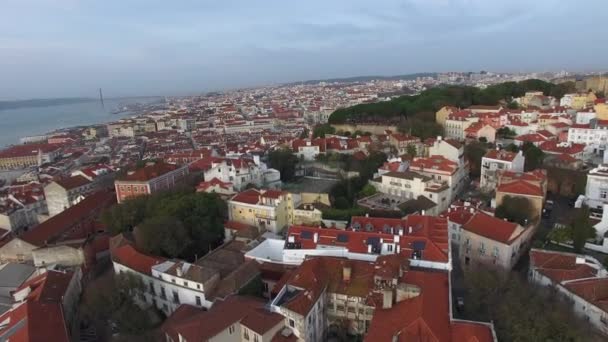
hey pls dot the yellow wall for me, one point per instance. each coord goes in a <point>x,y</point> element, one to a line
<point>601,111</point>
<point>442,115</point>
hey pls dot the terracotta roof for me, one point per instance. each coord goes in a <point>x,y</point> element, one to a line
<point>73,182</point>
<point>213,182</point>
<point>28,150</point>
<point>492,228</point>
<point>594,291</point>
<point>501,155</point>
<point>521,187</point>
<point>434,163</point>
<point>59,225</point>
<point>148,172</point>
<point>250,196</point>
<point>199,325</point>
<point>560,266</point>
<point>561,148</point>
<point>130,257</point>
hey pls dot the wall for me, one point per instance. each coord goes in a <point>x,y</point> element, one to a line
<point>61,255</point>
<point>374,129</point>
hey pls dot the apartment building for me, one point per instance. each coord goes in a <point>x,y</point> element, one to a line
<point>24,156</point>
<point>492,242</point>
<point>443,170</point>
<point>265,209</point>
<point>150,179</point>
<point>411,185</point>
<point>240,172</point>
<point>66,192</point>
<point>596,190</point>
<point>497,160</point>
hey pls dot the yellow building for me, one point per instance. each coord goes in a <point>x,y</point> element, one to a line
<point>601,111</point>
<point>442,114</point>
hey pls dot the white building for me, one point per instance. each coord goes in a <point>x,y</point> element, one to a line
<point>442,170</point>
<point>593,136</point>
<point>496,160</point>
<point>240,172</point>
<point>450,149</point>
<point>410,185</point>
<point>64,193</point>
<point>580,278</point>
<point>455,127</point>
<point>596,191</point>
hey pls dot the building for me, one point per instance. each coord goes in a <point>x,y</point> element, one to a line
<point>402,143</point>
<point>411,185</point>
<point>240,172</point>
<point>66,192</point>
<point>580,278</point>
<point>458,214</point>
<point>557,148</point>
<point>442,114</point>
<point>150,179</point>
<point>216,186</point>
<point>488,241</point>
<point>457,123</point>
<point>308,149</point>
<point>498,160</point>
<point>171,283</point>
<point>74,225</point>
<point>45,306</point>
<point>593,135</point>
<point>529,185</point>
<point>423,239</point>
<point>443,170</point>
<point>481,131</point>
<point>450,149</point>
<point>24,156</point>
<point>265,209</point>
<point>596,190</point>
<point>236,319</point>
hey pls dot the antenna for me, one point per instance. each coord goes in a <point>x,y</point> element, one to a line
<point>101,98</point>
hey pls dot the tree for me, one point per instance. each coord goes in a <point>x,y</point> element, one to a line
<point>341,203</point>
<point>474,152</point>
<point>512,148</point>
<point>512,105</point>
<point>201,214</point>
<point>285,162</point>
<point>411,150</point>
<point>164,236</point>
<point>367,190</point>
<point>506,132</point>
<point>516,209</point>
<point>320,130</point>
<point>582,229</point>
<point>534,156</point>
<point>500,299</point>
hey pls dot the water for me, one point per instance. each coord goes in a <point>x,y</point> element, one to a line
<point>27,121</point>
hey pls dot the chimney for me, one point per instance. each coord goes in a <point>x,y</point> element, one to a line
<point>439,138</point>
<point>316,237</point>
<point>423,212</point>
<point>346,272</point>
<point>366,214</point>
<point>369,249</point>
<point>178,270</point>
<point>387,298</point>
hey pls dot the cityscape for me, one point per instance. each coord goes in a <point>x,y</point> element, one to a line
<point>440,206</point>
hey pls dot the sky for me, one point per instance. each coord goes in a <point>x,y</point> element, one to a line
<point>68,48</point>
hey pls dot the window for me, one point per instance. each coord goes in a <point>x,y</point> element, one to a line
<point>175,297</point>
<point>163,295</point>
<point>230,329</point>
<point>495,251</point>
<point>198,301</point>
<point>255,338</point>
<point>603,194</point>
<point>246,333</point>
<point>185,283</point>
<point>389,248</point>
<point>292,323</point>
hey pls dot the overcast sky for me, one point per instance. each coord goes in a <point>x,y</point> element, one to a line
<point>52,48</point>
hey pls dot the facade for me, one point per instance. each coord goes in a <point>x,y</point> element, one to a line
<point>24,156</point>
<point>64,193</point>
<point>171,283</point>
<point>240,172</point>
<point>411,185</point>
<point>530,185</point>
<point>442,114</point>
<point>265,209</point>
<point>455,127</point>
<point>150,179</point>
<point>443,170</point>
<point>580,278</point>
<point>450,149</point>
<point>236,319</point>
<point>492,242</point>
<point>596,190</point>
<point>594,136</point>
<point>495,161</point>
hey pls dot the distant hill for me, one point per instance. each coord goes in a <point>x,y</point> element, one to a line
<point>367,78</point>
<point>4,105</point>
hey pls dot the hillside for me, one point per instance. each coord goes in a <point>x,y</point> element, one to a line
<point>433,99</point>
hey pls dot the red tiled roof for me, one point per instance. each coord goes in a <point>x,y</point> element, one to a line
<point>250,196</point>
<point>434,163</point>
<point>594,291</point>
<point>491,227</point>
<point>213,182</point>
<point>234,225</point>
<point>560,266</point>
<point>130,257</point>
<point>57,226</point>
<point>561,148</point>
<point>501,155</point>
<point>471,332</point>
<point>521,187</point>
<point>72,182</point>
<point>148,172</point>
<point>28,150</point>
<point>198,325</point>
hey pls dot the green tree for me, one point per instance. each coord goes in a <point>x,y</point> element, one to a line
<point>320,130</point>
<point>411,150</point>
<point>512,105</point>
<point>516,209</point>
<point>582,229</point>
<point>341,203</point>
<point>506,132</point>
<point>285,162</point>
<point>473,153</point>
<point>164,236</point>
<point>367,190</point>
<point>534,156</point>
